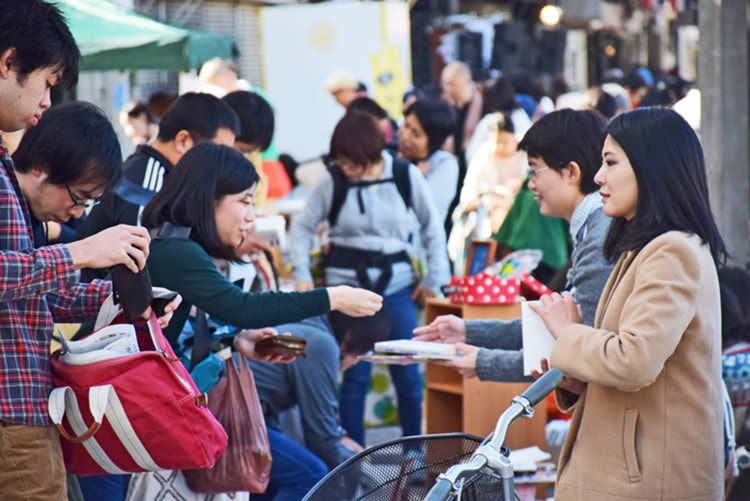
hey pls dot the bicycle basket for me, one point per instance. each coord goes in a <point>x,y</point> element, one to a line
<point>404,470</point>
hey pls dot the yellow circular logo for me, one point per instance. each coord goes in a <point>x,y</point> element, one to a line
<point>322,35</point>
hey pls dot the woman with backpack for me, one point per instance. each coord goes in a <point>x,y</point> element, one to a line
<point>371,247</point>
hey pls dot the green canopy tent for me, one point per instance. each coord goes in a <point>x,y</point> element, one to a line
<point>111,37</point>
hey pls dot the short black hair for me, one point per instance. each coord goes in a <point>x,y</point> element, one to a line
<point>358,138</point>
<point>437,120</point>
<point>202,115</point>
<point>565,136</point>
<point>256,117</point>
<point>205,174</point>
<point>41,39</point>
<point>357,335</point>
<point>499,95</point>
<point>670,169</point>
<point>73,143</point>
<point>606,104</point>
<point>633,80</point>
<point>368,105</point>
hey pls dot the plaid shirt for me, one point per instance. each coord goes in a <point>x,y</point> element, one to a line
<point>37,287</point>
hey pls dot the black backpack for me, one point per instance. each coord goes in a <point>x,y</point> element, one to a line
<point>341,187</point>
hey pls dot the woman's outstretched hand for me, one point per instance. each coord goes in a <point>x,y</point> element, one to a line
<point>353,301</point>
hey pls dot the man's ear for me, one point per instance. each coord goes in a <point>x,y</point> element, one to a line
<point>37,172</point>
<point>572,173</point>
<point>183,141</point>
<point>6,62</point>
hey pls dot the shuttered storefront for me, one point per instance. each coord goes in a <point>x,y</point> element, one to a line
<point>237,19</point>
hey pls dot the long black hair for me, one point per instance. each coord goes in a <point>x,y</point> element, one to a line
<point>204,175</point>
<point>670,169</point>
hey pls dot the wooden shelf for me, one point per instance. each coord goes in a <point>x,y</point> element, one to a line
<point>454,403</point>
<point>455,389</point>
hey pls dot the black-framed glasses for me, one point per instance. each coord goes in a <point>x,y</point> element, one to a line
<point>86,204</point>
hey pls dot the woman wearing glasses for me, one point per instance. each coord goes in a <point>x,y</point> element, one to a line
<point>371,247</point>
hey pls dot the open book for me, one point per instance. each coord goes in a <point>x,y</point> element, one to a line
<point>537,340</point>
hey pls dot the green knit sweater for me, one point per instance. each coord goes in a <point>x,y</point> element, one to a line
<point>182,265</point>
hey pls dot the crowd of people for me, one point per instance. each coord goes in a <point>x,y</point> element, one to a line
<point>586,177</point>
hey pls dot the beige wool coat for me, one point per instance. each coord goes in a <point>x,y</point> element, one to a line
<point>649,424</point>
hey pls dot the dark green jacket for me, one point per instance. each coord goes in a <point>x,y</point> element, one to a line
<point>182,265</point>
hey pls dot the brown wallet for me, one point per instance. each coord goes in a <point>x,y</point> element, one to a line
<point>282,345</point>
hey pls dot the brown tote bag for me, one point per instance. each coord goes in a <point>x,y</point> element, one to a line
<point>246,464</point>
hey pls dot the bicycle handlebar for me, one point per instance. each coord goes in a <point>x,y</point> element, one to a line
<point>543,386</point>
<point>440,491</point>
<point>488,454</point>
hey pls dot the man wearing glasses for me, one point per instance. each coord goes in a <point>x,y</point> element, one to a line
<point>39,283</point>
<point>60,183</point>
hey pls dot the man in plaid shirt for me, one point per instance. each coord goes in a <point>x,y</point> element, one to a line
<point>38,285</point>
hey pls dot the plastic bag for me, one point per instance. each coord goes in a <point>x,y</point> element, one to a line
<point>246,464</point>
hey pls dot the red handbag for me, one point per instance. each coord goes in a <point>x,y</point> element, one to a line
<point>133,412</point>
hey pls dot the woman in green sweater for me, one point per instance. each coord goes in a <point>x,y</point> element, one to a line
<point>212,191</point>
<point>210,195</point>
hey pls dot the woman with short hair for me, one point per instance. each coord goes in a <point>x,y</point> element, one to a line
<point>371,246</point>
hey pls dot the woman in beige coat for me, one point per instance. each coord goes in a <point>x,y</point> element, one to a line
<point>645,382</point>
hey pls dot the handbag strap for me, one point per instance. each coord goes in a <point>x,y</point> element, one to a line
<point>103,401</point>
<point>63,397</point>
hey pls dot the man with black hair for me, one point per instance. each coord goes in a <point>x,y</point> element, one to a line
<point>192,119</point>
<point>58,182</point>
<point>257,121</point>
<point>39,285</point>
<point>311,383</point>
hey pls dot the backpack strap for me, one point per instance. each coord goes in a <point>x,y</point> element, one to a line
<point>341,187</point>
<point>402,179</point>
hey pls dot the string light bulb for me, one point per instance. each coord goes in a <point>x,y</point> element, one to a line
<point>550,15</point>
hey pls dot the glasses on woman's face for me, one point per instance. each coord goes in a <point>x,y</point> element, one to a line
<point>85,204</point>
<point>343,165</point>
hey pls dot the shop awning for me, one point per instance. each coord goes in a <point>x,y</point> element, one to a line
<point>115,38</point>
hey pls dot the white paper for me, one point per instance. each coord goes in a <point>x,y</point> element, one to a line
<point>537,340</point>
<point>526,459</point>
<point>110,342</point>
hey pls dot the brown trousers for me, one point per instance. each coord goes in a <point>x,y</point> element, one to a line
<point>31,463</point>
